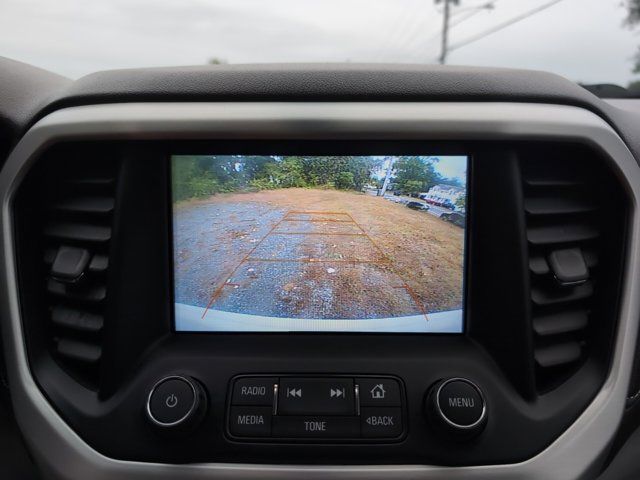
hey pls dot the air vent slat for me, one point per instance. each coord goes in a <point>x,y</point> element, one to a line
<point>539,265</point>
<point>91,293</point>
<point>79,232</point>
<point>546,297</point>
<point>556,206</point>
<point>76,319</point>
<point>97,205</point>
<point>563,233</point>
<point>99,263</point>
<point>562,322</point>
<point>80,351</point>
<point>551,182</point>
<point>92,181</point>
<point>556,355</point>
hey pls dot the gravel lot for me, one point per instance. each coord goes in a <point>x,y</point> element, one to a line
<point>310,253</point>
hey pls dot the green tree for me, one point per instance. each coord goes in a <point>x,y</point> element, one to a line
<point>632,21</point>
<point>344,180</point>
<point>417,170</point>
<point>191,180</point>
<point>413,186</point>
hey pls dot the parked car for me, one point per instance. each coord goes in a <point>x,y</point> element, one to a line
<point>454,217</point>
<point>418,206</point>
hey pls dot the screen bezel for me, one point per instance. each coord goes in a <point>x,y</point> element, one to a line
<point>325,148</point>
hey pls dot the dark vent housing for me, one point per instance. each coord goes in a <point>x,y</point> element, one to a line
<point>77,221</point>
<point>568,207</point>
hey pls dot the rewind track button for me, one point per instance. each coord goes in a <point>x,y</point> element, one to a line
<point>316,396</point>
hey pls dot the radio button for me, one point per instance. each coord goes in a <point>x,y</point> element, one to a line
<point>316,427</point>
<point>379,392</point>
<point>253,391</point>
<point>316,396</point>
<point>250,421</point>
<point>381,422</point>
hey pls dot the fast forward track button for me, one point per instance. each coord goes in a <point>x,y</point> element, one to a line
<point>316,396</point>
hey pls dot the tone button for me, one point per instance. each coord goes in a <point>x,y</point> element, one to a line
<point>316,426</point>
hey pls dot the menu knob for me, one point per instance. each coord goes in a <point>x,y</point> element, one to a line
<point>456,406</point>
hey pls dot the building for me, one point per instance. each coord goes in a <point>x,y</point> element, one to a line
<point>444,195</point>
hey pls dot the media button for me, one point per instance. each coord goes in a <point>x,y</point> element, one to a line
<point>316,427</point>
<point>316,396</point>
<point>379,392</point>
<point>253,391</point>
<point>381,422</point>
<point>250,421</point>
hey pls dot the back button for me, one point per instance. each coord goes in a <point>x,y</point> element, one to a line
<point>381,422</point>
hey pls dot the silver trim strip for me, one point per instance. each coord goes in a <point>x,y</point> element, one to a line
<point>63,455</point>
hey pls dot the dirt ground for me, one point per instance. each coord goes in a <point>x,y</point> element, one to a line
<point>312,253</point>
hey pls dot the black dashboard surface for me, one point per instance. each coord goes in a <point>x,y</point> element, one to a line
<point>43,92</point>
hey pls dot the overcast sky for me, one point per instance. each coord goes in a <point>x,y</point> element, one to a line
<point>583,40</point>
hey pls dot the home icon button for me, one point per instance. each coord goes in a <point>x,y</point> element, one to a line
<point>379,392</point>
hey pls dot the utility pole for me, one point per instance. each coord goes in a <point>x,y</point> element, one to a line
<point>387,177</point>
<point>446,14</point>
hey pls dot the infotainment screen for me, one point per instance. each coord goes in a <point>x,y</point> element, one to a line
<point>276,243</point>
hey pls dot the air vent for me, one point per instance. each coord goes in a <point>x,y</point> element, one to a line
<point>563,211</point>
<point>77,231</point>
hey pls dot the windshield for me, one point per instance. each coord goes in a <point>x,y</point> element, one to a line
<point>587,41</point>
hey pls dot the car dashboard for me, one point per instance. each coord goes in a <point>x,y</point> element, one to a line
<point>148,333</point>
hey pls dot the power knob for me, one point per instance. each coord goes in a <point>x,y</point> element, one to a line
<point>176,402</point>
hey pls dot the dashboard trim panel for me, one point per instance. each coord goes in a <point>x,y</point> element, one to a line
<point>63,454</point>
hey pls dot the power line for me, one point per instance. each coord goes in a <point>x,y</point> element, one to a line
<point>503,25</point>
<point>470,12</point>
<point>447,14</point>
<point>477,9</point>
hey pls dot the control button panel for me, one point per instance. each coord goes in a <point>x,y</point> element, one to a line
<point>340,408</point>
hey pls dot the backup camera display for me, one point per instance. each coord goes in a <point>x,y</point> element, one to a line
<point>275,243</point>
